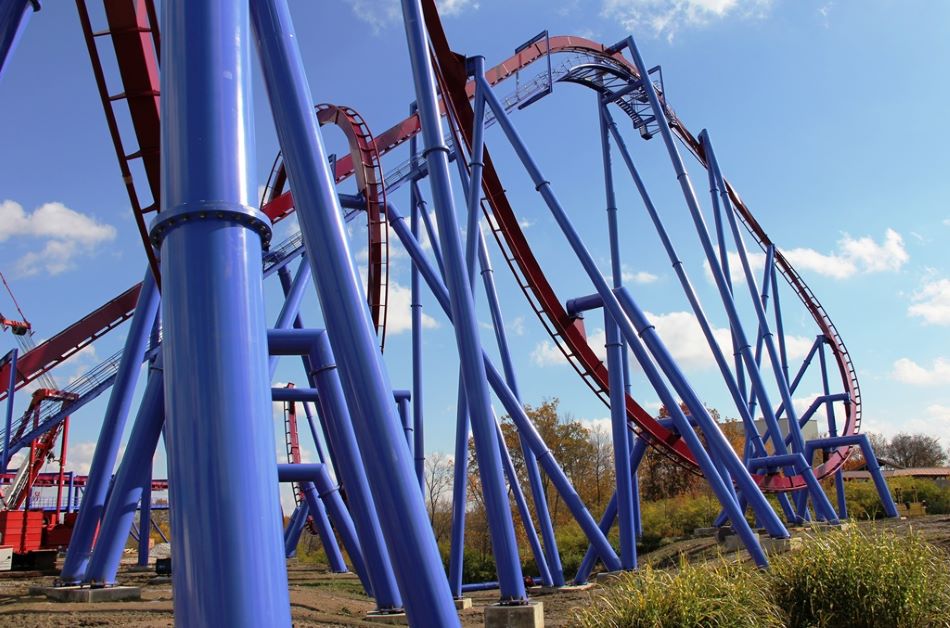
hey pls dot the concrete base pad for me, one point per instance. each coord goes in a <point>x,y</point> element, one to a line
<point>567,588</point>
<point>733,543</point>
<point>607,577</point>
<point>530,615</point>
<point>780,546</point>
<point>160,580</point>
<point>87,594</point>
<point>461,603</point>
<point>141,568</point>
<point>704,532</point>
<point>393,619</point>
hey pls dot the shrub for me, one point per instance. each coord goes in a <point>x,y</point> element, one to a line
<point>727,595</point>
<point>863,579</point>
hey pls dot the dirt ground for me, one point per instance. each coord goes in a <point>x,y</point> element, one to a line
<point>321,599</point>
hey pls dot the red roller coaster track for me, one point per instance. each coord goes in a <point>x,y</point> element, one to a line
<point>568,335</point>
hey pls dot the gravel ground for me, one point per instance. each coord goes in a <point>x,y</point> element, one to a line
<point>321,599</point>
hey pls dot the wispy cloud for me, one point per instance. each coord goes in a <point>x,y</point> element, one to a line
<point>666,18</point>
<point>62,234</point>
<point>932,302</point>
<point>854,256</point>
<point>380,14</point>
<point>910,372</point>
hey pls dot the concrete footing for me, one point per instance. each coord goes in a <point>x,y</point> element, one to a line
<point>387,618</point>
<point>461,603</point>
<point>88,594</point>
<point>567,588</point>
<point>732,543</point>
<point>608,577</point>
<point>705,532</point>
<point>530,615</point>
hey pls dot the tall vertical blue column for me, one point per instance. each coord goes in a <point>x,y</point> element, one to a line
<point>617,370</point>
<point>10,358</point>
<point>500,523</point>
<point>228,552</point>
<point>113,423</point>
<point>128,487</point>
<point>366,385</point>
<point>419,455</point>
<point>14,15</point>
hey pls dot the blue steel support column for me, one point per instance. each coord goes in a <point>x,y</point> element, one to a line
<point>476,242</point>
<point>551,554</point>
<point>145,516</point>
<point>459,493</point>
<point>295,526</point>
<point>318,511</point>
<point>113,423</point>
<point>341,439</point>
<point>619,314</point>
<point>504,546</point>
<point>781,373</point>
<point>832,431</point>
<point>618,422</point>
<point>128,488</point>
<point>610,513</point>
<point>14,15</point>
<point>616,370</point>
<point>228,554</point>
<point>415,305</point>
<point>365,382</point>
<point>677,264</point>
<point>8,422</point>
<point>511,404</point>
<point>690,197</point>
<point>405,415</point>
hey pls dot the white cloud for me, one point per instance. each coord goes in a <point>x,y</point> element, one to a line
<point>736,273</point>
<point>602,425</point>
<point>854,255</point>
<point>909,372</point>
<point>380,14</point>
<point>546,354</point>
<point>516,326</point>
<point>66,234</point>
<point>932,302</point>
<point>682,336</point>
<point>628,275</point>
<point>667,17</point>
<point>399,311</point>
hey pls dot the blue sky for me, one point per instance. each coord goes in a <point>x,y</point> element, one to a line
<point>826,116</point>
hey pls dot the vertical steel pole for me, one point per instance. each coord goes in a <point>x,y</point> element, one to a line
<point>832,431</point>
<point>128,488</point>
<point>365,382</point>
<point>8,422</point>
<point>504,546</point>
<point>459,493</point>
<point>228,554</point>
<point>14,15</point>
<point>415,306</point>
<point>511,404</point>
<point>616,350</point>
<point>342,441</point>
<point>145,515</point>
<point>551,555</point>
<point>110,436</point>
<point>618,422</point>
<point>405,415</point>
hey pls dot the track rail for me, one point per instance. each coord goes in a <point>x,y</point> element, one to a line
<point>363,162</point>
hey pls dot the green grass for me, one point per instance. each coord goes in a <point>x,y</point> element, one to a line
<point>863,579</point>
<point>721,594</point>
<point>840,579</point>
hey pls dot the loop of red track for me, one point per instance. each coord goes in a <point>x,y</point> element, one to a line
<point>565,331</point>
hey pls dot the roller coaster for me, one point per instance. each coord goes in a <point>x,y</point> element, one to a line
<point>211,356</point>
